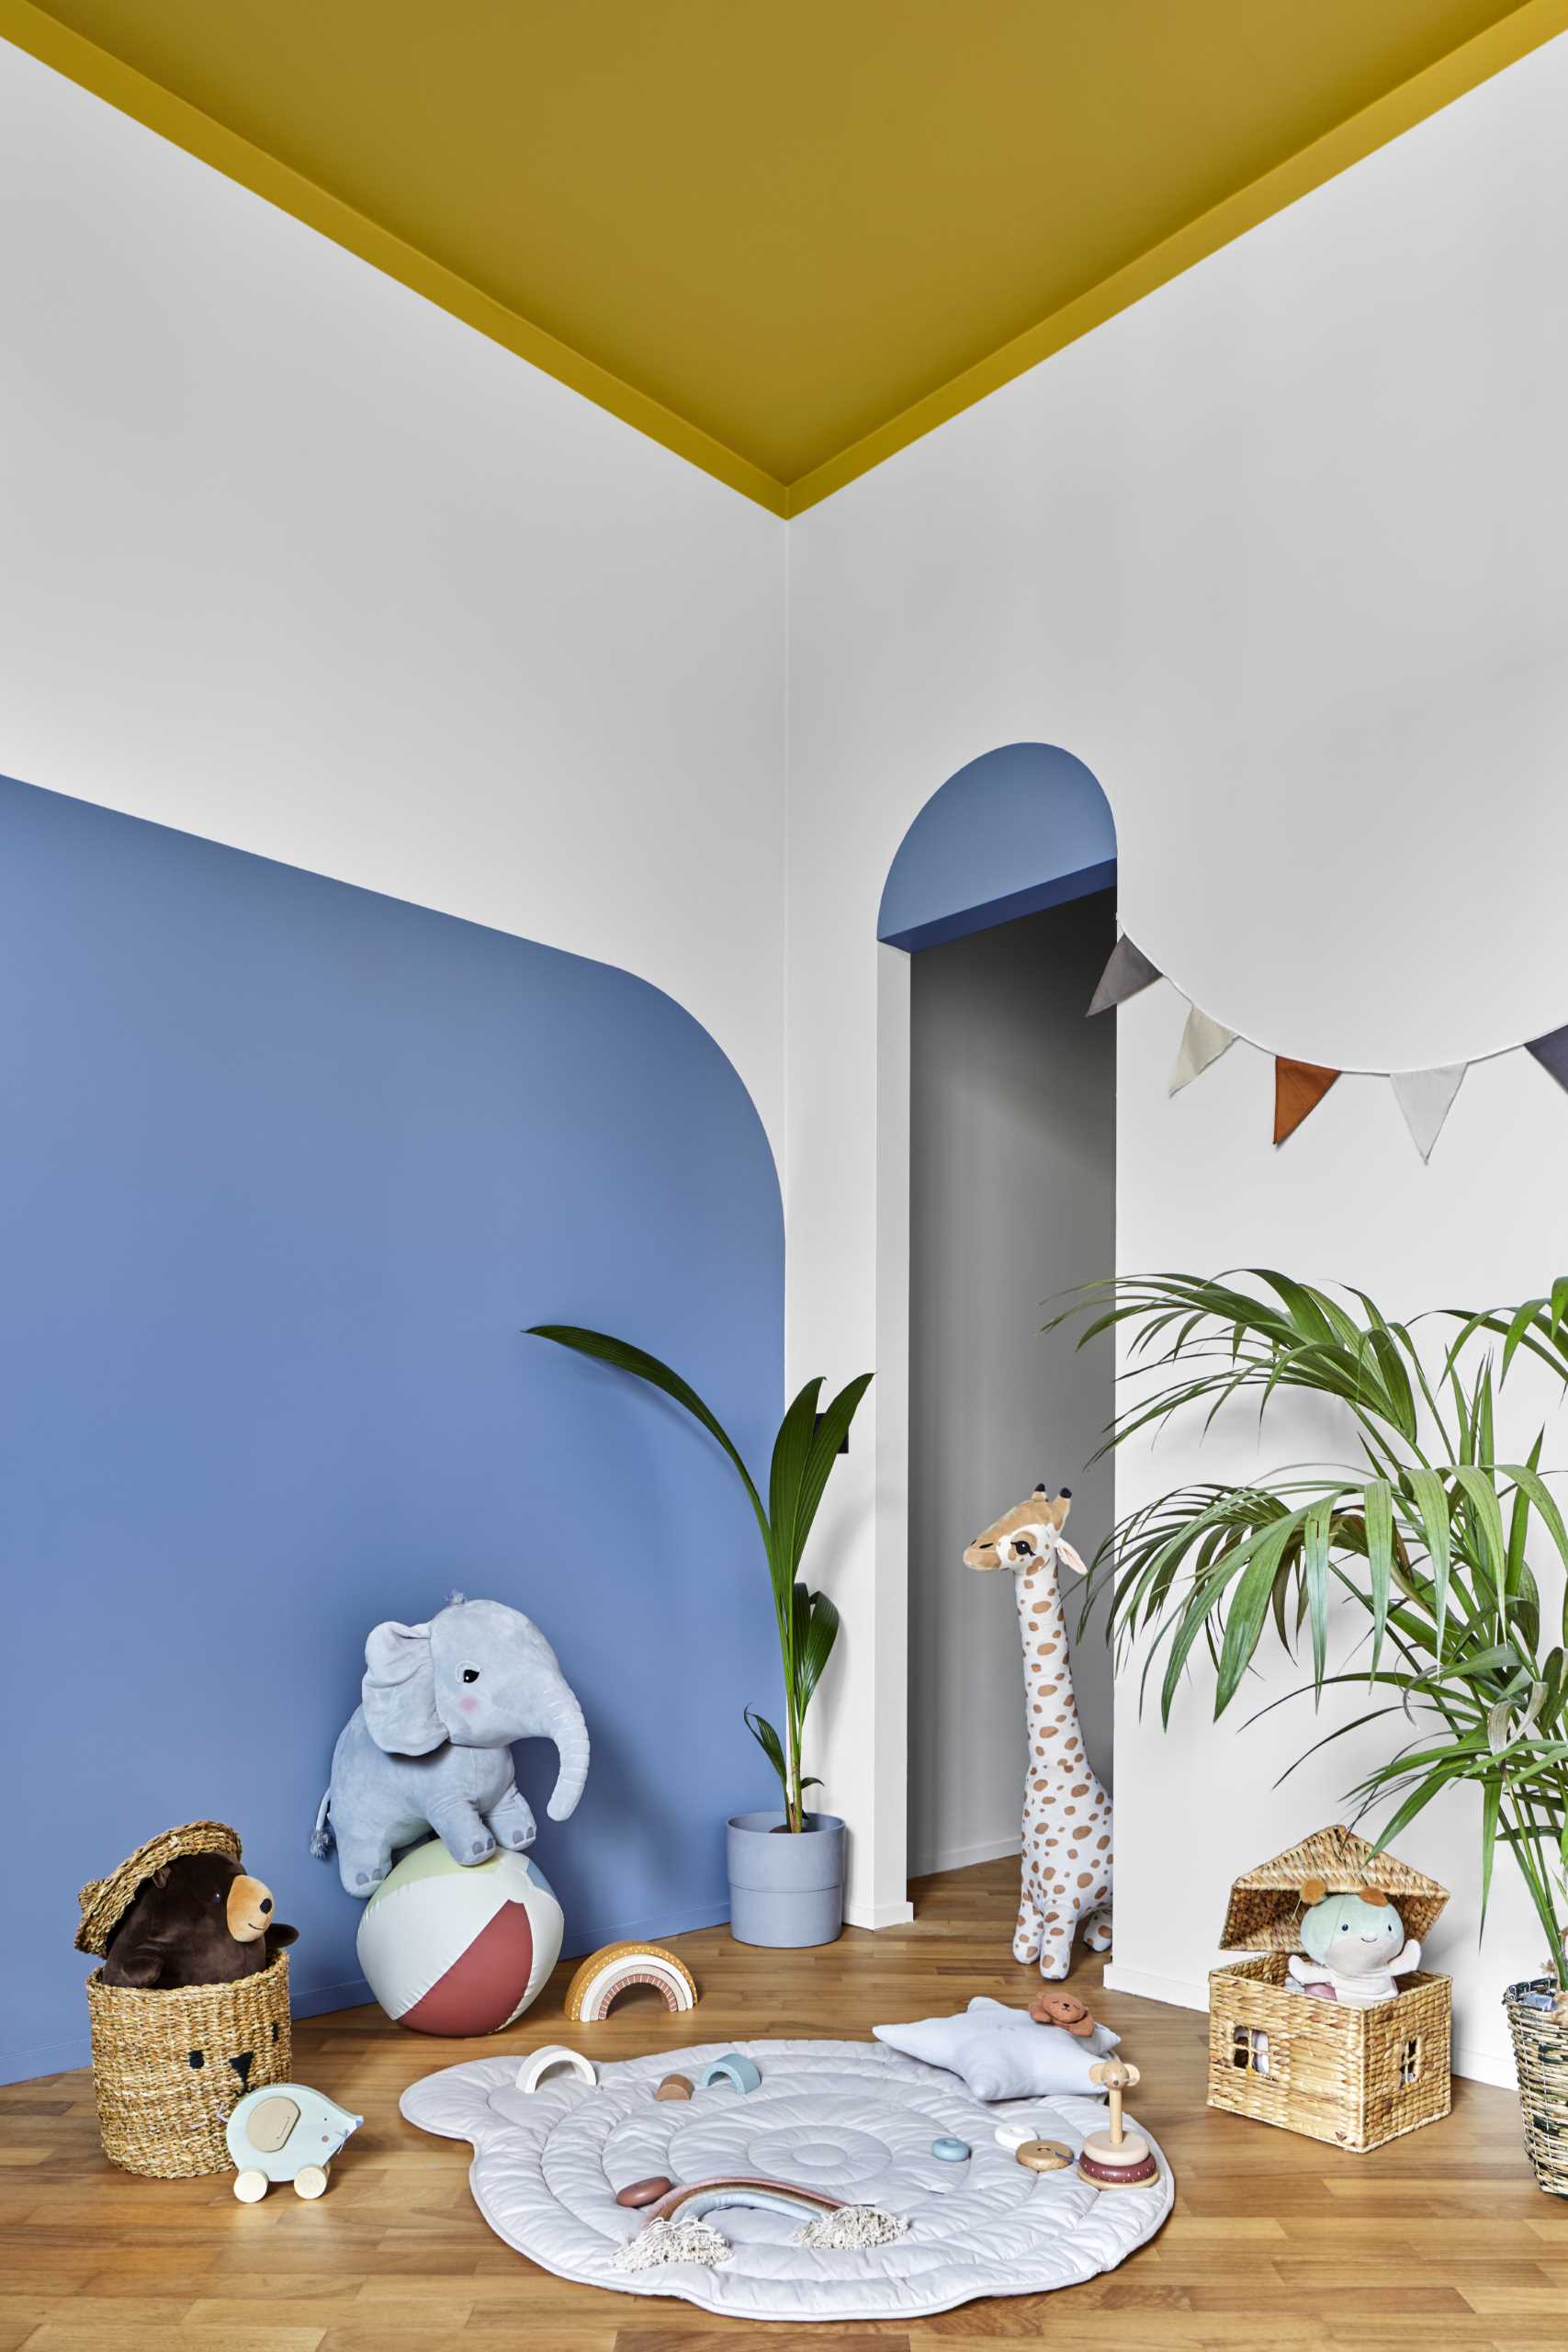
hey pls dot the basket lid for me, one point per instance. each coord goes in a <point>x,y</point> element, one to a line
<point>1266,1904</point>
<point>106,1901</point>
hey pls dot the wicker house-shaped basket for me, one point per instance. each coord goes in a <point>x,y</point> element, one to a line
<point>168,2066</point>
<point>1354,2077</point>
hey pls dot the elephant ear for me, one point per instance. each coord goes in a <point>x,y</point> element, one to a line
<point>399,1691</point>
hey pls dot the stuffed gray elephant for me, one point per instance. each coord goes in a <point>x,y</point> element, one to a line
<point>431,1745</point>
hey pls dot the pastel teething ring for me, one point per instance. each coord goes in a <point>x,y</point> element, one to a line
<point>1012,2133</point>
<point>605,1974</point>
<point>733,2068</point>
<point>540,2063</point>
<point>697,2198</point>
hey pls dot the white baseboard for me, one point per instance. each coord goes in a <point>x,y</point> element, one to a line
<point>878,1915</point>
<point>964,1857</point>
<point>1176,1992</point>
<point>1470,2062</point>
<point>1484,2065</point>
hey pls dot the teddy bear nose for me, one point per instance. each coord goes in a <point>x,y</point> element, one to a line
<point>241,2066</point>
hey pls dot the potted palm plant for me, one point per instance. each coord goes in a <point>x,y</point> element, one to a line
<point>786,1868</point>
<point>1426,1535</point>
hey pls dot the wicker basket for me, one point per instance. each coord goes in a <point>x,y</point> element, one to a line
<point>169,2066</point>
<point>1540,2057</point>
<point>1354,2077</point>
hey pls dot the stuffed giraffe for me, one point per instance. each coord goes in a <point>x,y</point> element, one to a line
<point>1067,1814</point>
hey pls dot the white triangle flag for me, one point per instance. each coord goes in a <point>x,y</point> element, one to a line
<point>1426,1097</point>
<point>1203,1041</point>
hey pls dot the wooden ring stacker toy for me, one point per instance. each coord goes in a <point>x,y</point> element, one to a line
<point>540,2063</point>
<point>1114,2158</point>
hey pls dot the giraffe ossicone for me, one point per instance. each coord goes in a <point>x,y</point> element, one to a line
<point>1067,1847</point>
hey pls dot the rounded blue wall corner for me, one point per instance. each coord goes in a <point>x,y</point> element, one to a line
<point>289,1169</point>
<point>1017,829</point>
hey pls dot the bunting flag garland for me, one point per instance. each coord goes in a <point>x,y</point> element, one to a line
<point>1425,1096</point>
<point>1552,1053</point>
<point>1299,1088</point>
<point>1203,1041</point>
<point>1128,971</point>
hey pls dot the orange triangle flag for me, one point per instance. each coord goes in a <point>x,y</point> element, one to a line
<point>1299,1088</point>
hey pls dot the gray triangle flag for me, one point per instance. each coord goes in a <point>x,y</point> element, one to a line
<point>1203,1041</point>
<point>1552,1053</point>
<point>1128,971</point>
<point>1426,1097</point>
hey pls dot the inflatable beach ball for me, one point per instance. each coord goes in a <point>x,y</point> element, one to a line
<point>452,1950</point>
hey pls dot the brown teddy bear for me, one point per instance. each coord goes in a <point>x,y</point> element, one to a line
<point>196,1920</point>
<point>1060,2008</point>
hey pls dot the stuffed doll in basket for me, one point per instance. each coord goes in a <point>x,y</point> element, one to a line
<point>1356,1946</point>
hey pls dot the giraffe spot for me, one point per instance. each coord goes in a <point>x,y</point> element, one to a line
<point>1085,1878</point>
<point>1103,1843</point>
<point>1081,1791</point>
<point>1052,1729</point>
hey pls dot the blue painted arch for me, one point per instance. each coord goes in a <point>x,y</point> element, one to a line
<point>1017,829</point>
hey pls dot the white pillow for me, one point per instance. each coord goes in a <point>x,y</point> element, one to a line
<point>997,2062</point>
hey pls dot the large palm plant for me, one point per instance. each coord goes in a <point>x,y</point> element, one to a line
<point>1426,1535</point>
<point>803,1452</point>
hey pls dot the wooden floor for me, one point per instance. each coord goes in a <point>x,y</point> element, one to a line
<point>1439,2240</point>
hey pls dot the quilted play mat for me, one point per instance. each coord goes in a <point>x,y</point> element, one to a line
<point>840,2122</point>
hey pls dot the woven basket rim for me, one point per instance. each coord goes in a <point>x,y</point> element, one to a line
<point>227,1985</point>
<point>1530,1984</point>
<point>106,1901</point>
<point>1264,1910</point>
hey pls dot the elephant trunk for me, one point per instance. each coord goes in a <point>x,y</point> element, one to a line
<point>563,1724</point>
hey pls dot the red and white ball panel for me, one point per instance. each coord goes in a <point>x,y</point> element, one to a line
<point>450,1948</point>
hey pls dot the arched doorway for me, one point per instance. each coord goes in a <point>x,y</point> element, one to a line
<point>996,1133</point>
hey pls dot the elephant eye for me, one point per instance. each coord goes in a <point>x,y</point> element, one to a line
<point>470,1674</point>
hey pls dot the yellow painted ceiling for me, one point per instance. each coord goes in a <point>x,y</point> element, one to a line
<point>782,235</point>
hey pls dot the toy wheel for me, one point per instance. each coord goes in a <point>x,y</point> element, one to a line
<point>311,2180</point>
<point>250,2188</point>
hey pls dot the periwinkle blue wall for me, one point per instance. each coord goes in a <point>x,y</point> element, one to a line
<point>286,1167</point>
<point>1017,831</point>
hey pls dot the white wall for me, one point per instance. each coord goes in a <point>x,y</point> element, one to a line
<point>296,561</point>
<point>1280,553</point>
<point>1012,1153</point>
<point>293,560</point>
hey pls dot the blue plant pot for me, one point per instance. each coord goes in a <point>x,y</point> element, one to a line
<point>785,1891</point>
